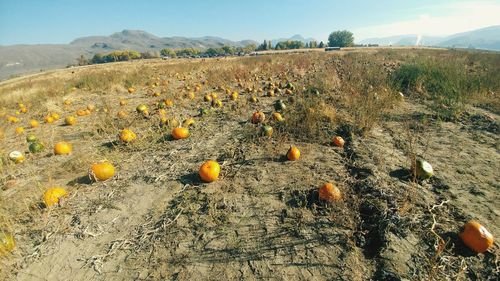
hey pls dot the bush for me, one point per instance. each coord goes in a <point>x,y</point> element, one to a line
<point>310,119</point>
<point>289,44</point>
<point>341,38</point>
<point>367,94</point>
<point>446,83</point>
<point>168,53</point>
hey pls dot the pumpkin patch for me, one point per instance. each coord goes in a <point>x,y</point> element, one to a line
<point>284,196</point>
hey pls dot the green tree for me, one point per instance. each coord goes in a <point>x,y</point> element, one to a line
<point>263,46</point>
<point>168,53</point>
<point>214,51</point>
<point>249,48</point>
<point>321,44</point>
<point>187,52</point>
<point>98,58</point>
<point>341,38</point>
<point>289,44</point>
<point>228,50</point>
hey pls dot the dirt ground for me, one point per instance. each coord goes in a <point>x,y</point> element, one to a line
<point>262,219</point>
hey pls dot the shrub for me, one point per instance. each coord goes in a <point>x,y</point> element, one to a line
<point>168,53</point>
<point>446,83</point>
<point>309,118</point>
<point>367,94</point>
<point>341,38</point>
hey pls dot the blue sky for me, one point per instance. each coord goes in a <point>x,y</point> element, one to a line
<point>61,21</point>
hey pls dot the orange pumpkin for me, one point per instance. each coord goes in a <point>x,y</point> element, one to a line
<point>67,102</point>
<point>293,153</point>
<point>81,112</point>
<point>121,114</point>
<point>70,120</point>
<point>216,103</point>
<point>338,141</point>
<point>141,108</point>
<point>476,237</point>
<point>34,123</point>
<point>258,117</point>
<point>209,171</point>
<point>131,90</point>
<point>123,102</point>
<point>49,119</point>
<point>19,130</point>
<point>102,171</point>
<point>127,135</point>
<point>180,133</point>
<point>207,98</point>
<point>7,243</point>
<point>169,102</point>
<point>277,117</point>
<point>55,116</point>
<point>53,196</point>
<point>12,119</point>
<point>62,148</point>
<point>329,193</point>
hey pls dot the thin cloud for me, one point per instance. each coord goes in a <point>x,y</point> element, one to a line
<point>462,16</point>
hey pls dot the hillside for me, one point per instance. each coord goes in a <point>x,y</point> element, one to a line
<point>359,119</point>
<point>20,59</point>
<point>485,38</point>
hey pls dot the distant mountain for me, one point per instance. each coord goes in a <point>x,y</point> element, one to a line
<point>296,37</point>
<point>403,40</point>
<point>487,38</point>
<point>17,59</point>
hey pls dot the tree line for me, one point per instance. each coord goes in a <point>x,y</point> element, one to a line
<point>340,38</point>
<point>210,52</point>
<point>289,44</point>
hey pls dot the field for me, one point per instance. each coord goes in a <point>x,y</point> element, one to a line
<point>262,219</point>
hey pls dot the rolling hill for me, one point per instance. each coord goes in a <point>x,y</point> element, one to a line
<point>18,59</point>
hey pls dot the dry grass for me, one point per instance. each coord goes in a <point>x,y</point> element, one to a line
<point>330,92</point>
